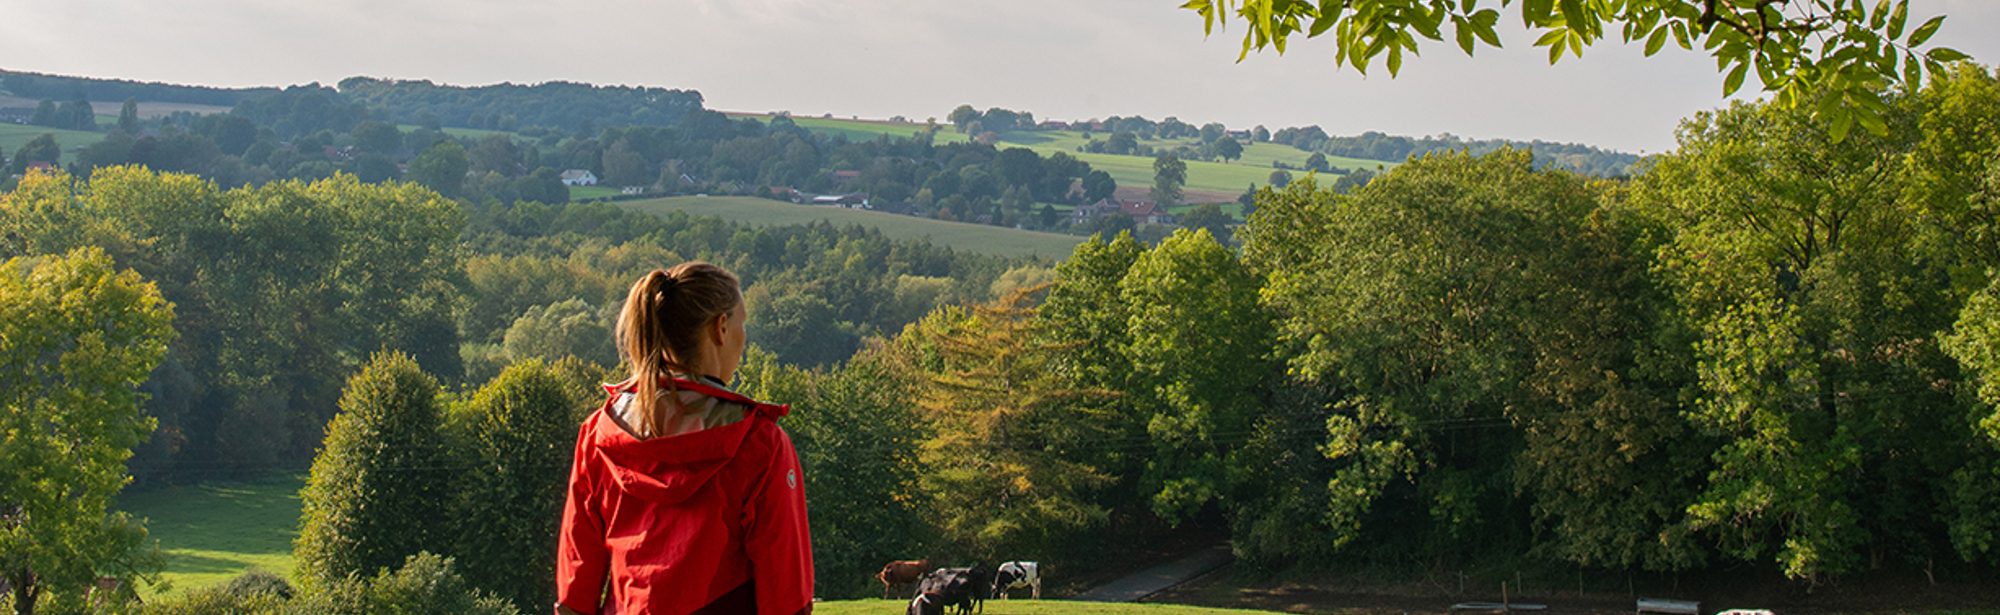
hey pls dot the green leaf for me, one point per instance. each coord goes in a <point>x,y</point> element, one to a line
<point>1925,31</point>
<point>1734,81</point>
<point>1395,61</point>
<point>1464,32</point>
<point>1573,15</point>
<point>1913,74</point>
<point>1898,20</point>
<point>1486,20</point>
<point>1881,15</point>
<point>1656,41</point>
<point>1843,121</point>
<point>1681,35</point>
<point>1555,52</point>
<point>1552,37</point>
<point>1946,54</point>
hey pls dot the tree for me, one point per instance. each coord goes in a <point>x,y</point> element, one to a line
<point>1279,178</point>
<point>39,149</point>
<point>1212,132</point>
<point>1815,296</point>
<point>1002,418</point>
<point>560,330</point>
<point>1316,163</point>
<point>1228,148</point>
<point>1260,134</point>
<point>1169,174</point>
<point>45,114</point>
<point>378,491</point>
<point>496,154</point>
<point>1835,57</point>
<point>80,335</point>
<point>377,137</point>
<point>1198,344</point>
<point>1098,185</point>
<point>963,117</point>
<point>519,430</point>
<point>1209,217</point>
<point>441,168</point>
<point>625,167</point>
<point>76,114</point>
<point>128,116</point>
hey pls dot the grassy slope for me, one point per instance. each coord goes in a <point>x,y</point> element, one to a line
<point>13,136</point>
<point>958,235</point>
<point>215,531</point>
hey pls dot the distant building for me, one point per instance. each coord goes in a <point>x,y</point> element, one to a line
<point>632,190</point>
<point>1053,125</point>
<point>579,177</point>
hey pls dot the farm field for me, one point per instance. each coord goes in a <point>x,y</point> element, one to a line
<point>109,108</point>
<point>958,235</point>
<point>13,136</point>
<point>215,531</point>
<point>579,193</point>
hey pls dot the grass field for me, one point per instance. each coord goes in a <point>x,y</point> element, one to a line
<point>958,235</point>
<point>1028,607</point>
<point>578,193</point>
<point>859,130</point>
<point>213,532</point>
<point>13,136</point>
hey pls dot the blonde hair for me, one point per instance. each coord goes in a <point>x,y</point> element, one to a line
<point>660,329</point>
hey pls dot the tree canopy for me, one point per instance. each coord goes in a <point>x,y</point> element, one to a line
<point>1836,56</point>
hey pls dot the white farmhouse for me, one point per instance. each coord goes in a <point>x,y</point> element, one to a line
<point>579,177</point>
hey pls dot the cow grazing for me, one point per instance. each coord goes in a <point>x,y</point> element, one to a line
<point>1016,575</point>
<point>965,588</point>
<point>897,574</point>
<point>926,604</point>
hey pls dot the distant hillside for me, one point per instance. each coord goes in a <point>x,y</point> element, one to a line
<point>59,87</point>
<point>506,106</point>
<point>961,236</point>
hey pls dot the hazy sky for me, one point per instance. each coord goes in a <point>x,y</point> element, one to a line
<point>1060,59</point>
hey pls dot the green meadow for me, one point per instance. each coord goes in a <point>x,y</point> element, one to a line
<point>959,235</point>
<point>215,531</point>
<point>13,136</point>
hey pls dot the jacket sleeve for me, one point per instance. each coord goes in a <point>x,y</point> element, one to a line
<point>581,555</point>
<point>776,535</point>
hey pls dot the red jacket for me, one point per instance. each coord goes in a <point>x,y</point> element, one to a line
<point>708,521</point>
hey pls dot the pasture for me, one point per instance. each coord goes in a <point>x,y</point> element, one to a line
<point>215,531</point>
<point>960,236</point>
<point>13,136</point>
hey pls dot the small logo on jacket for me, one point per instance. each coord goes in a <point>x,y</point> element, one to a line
<point>792,478</point>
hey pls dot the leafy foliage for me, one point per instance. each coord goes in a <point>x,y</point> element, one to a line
<point>76,336</point>
<point>378,491</point>
<point>1835,57</point>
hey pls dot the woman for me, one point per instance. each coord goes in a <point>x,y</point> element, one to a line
<point>685,497</point>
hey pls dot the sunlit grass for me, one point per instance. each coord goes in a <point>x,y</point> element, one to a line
<point>215,531</point>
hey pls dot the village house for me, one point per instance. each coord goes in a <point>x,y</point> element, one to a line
<point>579,177</point>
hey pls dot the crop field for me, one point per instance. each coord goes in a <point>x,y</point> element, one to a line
<point>13,136</point>
<point>215,531</point>
<point>958,235</point>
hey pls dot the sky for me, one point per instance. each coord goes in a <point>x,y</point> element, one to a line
<point>1059,59</point>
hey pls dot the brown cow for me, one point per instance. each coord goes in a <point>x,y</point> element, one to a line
<point>897,574</point>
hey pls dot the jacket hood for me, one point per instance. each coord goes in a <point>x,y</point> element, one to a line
<point>669,469</point>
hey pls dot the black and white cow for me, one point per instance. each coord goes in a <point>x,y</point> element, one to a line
<point>1016,575</point>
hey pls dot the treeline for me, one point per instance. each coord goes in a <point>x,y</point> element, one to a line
<point>58,87</point>
<point>579,107</point>
<point>1577,157</point>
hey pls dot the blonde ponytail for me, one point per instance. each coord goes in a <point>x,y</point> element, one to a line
<point>659,331</point>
